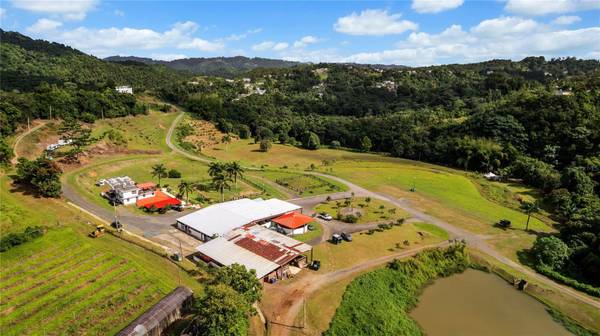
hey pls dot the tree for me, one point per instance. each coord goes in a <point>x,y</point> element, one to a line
<point>265,145</point>
<point>222,312</point>
<point>6,152</point>
<point>234,170</point>
<point>159,171</point>
<point>226,139</point>
<point>215,168</point>
<point>311,141</point>
<point>550,251</point>
<point>336,144</point>
<point>241,280</point>
<point>185,188</point>
<point>529,208</point>
<point>42,174</point>
<point>77,136</point>
<point>366,144</point>
<point>221,182</point>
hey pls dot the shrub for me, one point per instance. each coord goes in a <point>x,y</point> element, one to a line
<point>88,117</point>
<point>504,224</point>
<point>14,239</point>
<point>174,174</point>
<point>350,218</point>
<point>265,145</point>
<point>336,144</point>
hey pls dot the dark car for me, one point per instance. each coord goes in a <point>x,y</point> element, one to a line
<point>117,225</point>
<point>347,236</point>
<point>315,265</point>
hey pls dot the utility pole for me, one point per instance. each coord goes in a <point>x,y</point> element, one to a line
<point>50,112</point>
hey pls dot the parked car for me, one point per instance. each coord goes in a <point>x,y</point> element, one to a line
<point>116,224</point>
<point>311,227</point>
<point>347,236</point>
<point>315,265</point>
<point>325,216</point>
<point>336,238</point>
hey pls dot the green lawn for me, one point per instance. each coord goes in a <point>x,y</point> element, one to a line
<point>317,232</point>
<point>452,189</point>
<point>372,211</point>
<point>366,246</point>
<point>66,283</point>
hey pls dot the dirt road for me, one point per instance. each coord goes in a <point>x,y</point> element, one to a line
<point>23,135</point>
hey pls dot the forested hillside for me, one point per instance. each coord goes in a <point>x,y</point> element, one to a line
<point>214,66</point>
<point>537,120</point>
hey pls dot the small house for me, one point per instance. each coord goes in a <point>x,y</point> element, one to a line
<point>124,89</point>
<point>293,223</point>
<point>491,176</point>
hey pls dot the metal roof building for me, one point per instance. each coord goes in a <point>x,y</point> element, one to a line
<point>255,247</point>
<point>218,219</point>
<point>161,315</point>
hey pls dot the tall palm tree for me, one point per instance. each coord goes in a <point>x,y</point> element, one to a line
<point>215,168</point>
<point>234,170</point>
<point>185,188</point>
<point>221,182</point>
<point>529,208</point>
<point>160,171</point>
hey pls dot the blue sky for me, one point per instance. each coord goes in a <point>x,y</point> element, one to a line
<point>416,32</point>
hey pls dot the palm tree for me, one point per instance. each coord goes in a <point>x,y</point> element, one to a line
<point>234,170</point>
<point>529,208</point>
<point>220,182</point>
<point>159,171</point>
<point>215,168</point>
<point>185,188</point>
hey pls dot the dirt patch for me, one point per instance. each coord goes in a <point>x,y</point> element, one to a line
<point>206,135</point>
<point>350,211</point>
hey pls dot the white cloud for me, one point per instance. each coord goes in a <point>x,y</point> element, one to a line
<point>435,6</point>
<point>504,26</point>
<point>44,26</point>
<point>543,7</point>
<point>306,40</point>
<point>373,22</point>
<point>270,45</point>
<point>167,57</point>
<point>237,37</point>
<point>67,9</point>
<point>506,38</point>
<point>109,41</point>
<point>566,20</point>
<point>119,12</point>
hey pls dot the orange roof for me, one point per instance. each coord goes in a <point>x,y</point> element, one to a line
<point>293,220</point>
<point>159,199</point>
<point>146,185</point>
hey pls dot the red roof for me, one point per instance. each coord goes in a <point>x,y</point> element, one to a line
<point>159,200</point>
<point>146,185</point>
<point>293,220</point>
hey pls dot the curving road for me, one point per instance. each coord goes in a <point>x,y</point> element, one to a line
<point>472,239</point>
<point>20,137</point>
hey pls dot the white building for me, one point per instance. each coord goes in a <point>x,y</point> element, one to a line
<point>218,219</point>
<point>125,191</point>
<point>124,89</point>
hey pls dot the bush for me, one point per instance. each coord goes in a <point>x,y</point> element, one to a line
<point>88,117</point>
<point>589,289</point>
<point>265,145</point>
<point>350,218</point>
<point>550,251</point>
<point>336,144</point>
<point>173,174</point>
<point>14,239</point>
<point>504,224</point>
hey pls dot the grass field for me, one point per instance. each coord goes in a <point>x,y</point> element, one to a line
<point>65,283</point>
<point>143,132</point>
<point>372,211</point>
<point>370,246</point>
<point>303,184</point>
<point>34,144</point>
<point>139,169</point>
<point>317,232</point>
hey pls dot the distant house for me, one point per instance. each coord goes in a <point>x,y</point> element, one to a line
<point>267,252</point>
<point>60,143</point>
<point>217,219</point>
<point>124,89</point>
<point>123,190</point>
<point>293,223</point>
<point>160,316</point>
<point>491,176</point>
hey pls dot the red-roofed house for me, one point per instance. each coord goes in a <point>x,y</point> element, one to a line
<point>159,201</point>
<point>293,223</point>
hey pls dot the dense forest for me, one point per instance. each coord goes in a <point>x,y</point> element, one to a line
<point>537,120</point>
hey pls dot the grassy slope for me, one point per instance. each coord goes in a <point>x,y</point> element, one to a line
<point>105,282</point>
<point>303,184</point>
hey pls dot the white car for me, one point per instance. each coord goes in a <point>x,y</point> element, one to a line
<point>325,216</point>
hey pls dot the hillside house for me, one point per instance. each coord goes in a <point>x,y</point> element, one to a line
<point>124,89</point>
<point>217,219</point>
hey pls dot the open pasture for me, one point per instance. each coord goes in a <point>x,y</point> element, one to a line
<point>370,210</point>
<point>303,184</point>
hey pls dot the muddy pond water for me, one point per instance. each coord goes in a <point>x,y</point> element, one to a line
<point>476,303</point>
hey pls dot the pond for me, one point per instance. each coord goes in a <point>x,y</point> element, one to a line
<point>478,303</point>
